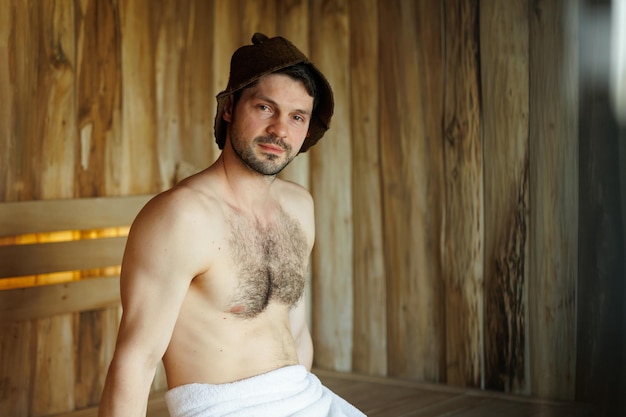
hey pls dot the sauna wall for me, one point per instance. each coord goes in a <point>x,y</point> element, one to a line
<point>470,221</point>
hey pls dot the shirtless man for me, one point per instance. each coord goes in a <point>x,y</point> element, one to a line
<point>214,269</point>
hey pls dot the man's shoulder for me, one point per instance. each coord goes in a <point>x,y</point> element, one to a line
<point>290,190</point>
<point>183,204</point>
<point>295,199</point>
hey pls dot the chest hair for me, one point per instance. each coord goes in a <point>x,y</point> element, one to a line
<point>270,261</point>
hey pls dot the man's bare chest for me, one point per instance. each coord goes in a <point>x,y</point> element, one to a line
<point>270,262</point>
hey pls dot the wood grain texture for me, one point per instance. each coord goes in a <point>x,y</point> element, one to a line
<point>463,240</point>
<point>553,198</point>
<point>138,165</point>
<point>53,389</point>
<point>8,94</point>
<point>411,156</point>
<point>59,257</point>
<point>24,217</point>
<point>504,81</point>
<point>98,85</point>
<point>331,181</point>
<point>370,295</point>
<point>17,349</point>
<point>44,301</point>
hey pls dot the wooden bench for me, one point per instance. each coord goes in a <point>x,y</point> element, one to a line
<point>376,396</point>
<point>94,218</point>
<point>56,339</point>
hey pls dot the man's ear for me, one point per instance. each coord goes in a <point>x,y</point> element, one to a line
<point>228,109</point>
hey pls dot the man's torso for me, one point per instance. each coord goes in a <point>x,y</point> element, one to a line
<point>234,322</point>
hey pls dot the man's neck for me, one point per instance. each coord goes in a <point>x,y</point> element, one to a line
<point>247,189</point>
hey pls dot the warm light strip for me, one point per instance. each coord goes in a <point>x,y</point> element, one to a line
<point>56,237</point>
<point>63,236</point>
<point>57,278</point>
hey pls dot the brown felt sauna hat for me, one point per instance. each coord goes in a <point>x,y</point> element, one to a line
<point>264,56</point>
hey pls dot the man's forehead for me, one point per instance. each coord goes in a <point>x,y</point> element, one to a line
<point>279,87</point>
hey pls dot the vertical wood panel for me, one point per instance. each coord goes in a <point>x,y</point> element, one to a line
<point>98,93</point>
<point>22,180</point>
<point>258,16</point>
<point>7,93</point>
<point>464,225</point>
<point>170,20</point>
<point>411,155</point>
<point>227,37</point>
<point>197,145</point>
<point>370,326</point>
<point>53,390</point>
<point>553,198</point>
<point>17,350</point>
<point>138,164</point>
<point>504,81</point>
<point>330,184</point>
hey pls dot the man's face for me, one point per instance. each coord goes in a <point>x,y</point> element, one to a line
<point>270,122</point>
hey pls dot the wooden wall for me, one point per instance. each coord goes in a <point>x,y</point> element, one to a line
<point>459,193</point>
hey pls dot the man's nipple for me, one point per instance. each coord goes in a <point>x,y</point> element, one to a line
<point>238,309</point>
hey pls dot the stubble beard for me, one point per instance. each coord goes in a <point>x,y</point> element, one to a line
<point>268,163</point>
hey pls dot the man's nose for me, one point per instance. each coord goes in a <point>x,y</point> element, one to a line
<point>278,128</point>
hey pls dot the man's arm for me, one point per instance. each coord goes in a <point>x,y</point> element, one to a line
<point>157,269</point>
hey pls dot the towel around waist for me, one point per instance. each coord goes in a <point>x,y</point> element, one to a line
<point>288,391</point>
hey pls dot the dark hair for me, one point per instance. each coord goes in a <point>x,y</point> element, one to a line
<point>299,72</point>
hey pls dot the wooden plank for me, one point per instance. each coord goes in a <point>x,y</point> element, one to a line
<point>504,75</point>
<point>138,165</point>
<point>16,366</point>
<point>99,85</point>
<point>49,300</point>
<point>169,45</point>
<point>53,387</point>
<point>330,184</point>
<point>55,140</point>
<point>196,145</point>
<point>553,198</point>
<point>8,94</point>
<point>156,408</point>
<point>21,260</point>
<point>43,216</point>
<point>395,397</point>
<point>227,30</point>
<point>23,159</point>
<point>258,16</point>
<point>96,330</point>
<point>463,232</point>
<point>370,318</point>
<point>412,175</point>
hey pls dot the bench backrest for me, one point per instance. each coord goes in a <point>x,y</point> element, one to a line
<point>99,224</point>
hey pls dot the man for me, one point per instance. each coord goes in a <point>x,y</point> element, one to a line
<point>214,269</point>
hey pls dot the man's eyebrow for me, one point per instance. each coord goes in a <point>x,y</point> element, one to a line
<point>274,103</point>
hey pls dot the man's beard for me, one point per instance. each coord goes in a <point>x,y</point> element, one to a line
<point>268,163</point>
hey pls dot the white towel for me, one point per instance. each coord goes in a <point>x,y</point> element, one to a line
<point>288,391</point>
